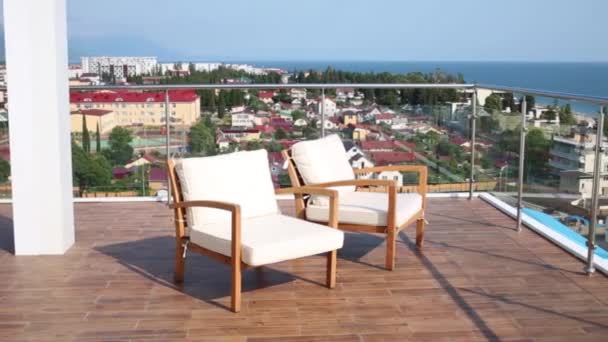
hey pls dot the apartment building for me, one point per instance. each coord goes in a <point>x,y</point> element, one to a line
<point>141,108</point>
<point>572,158</point>
<point>119,67</point>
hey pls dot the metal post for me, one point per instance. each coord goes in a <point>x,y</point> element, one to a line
<point>473,120</point>
<point>599,150</point>
<point>522,151</point>
<point>167,142</point>
<point>322,112</point>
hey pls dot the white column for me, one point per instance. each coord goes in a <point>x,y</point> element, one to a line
<point>41,164</point>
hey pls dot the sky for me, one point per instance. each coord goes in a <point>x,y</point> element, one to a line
<point>357,30</point>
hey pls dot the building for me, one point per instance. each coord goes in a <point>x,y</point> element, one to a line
<point>243,120</point>
<point>141,108</point>
<point>298,93</point>
<point>384,118</point>
<point>329,107</point>
<point>350,118</point>
<point>241,135</point>
<point>106,119</point>
<point>119,67</point>
<point>572,159</point>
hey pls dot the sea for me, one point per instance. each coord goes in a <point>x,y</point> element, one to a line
<point>586,78</point>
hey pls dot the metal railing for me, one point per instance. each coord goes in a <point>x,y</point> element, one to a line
<point>600,101</point>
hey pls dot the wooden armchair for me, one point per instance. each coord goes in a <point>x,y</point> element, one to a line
<point>225,208</point>
<point>323,163</point>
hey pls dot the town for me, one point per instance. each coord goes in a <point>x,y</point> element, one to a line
<point>119,137</point>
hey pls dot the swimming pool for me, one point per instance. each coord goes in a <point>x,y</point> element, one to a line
<point>554,224</point>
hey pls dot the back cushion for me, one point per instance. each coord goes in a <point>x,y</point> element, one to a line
<point>242,178</point>
<point>323,160</point>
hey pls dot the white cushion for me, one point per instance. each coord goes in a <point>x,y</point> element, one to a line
<point>270,239</point>
<point>321,161</point>
<point>368,208</point>
<point>242,178</point>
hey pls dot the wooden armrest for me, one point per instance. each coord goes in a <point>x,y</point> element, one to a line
<point>308,190</point>
<point>355,182</point>
<point>422,170</point>
<point>208,204</point>
<point>235,209</point>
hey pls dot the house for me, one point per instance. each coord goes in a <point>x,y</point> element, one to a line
<point>300,123</point>
<point>266,97</point>
<point>240,135</point>
<point>360,161</point>
<point>328,106</point>
<point>282,123</point>
<point>349,118</point>
<point>392,158</point>
<point>399,123</point>
<point>298,93</point>
<point>351,148</point>
<point>346,93</point>
<point>360,134</point>
<point>243,120</point>
<point>329,125</point>
<point>385,118</point>
<point>378,146</point>
<point>391,175</point>
<point>122,172</point>
<point>146,159</point>
<point>157,179</point>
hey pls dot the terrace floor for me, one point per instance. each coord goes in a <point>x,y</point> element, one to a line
<point>476,279</point>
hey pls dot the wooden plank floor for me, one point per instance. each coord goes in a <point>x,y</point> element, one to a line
<point>476,279</point>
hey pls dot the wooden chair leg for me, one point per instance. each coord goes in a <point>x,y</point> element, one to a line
<point>235,301</point>
<point>420,233</point>
<point>391,241</point>
<point>180,262</point>
<point>331,269</point>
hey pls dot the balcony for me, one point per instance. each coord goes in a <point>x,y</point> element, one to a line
<point>476,279</point>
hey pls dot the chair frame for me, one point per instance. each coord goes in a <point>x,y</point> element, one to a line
<point>183,243</point>
<point>392,228</point>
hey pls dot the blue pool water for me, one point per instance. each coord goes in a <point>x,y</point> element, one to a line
<point>562,229</point>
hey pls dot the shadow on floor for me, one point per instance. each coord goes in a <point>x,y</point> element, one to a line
<point>205,279</point>
<point>7,237</point>
<point>358,245</point>
<point>452,291</point>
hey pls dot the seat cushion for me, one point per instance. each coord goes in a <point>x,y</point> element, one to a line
<point>270,239</point>
<point>242,178</point>
<point>368,208</point>
<point>321,161</point>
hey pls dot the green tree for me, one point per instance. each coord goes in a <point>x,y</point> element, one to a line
<point>280,134</point>
<point>493,103</point>
<point>120,150</point>
<point>537,151</point>
<point>297,114</point>
<point>221,105</point>
<point>5,170</point>
<point>98,140</point>
<point>89,170</point>
<point>565,115</point>
<point>530,102</point>
<point>549,115</point>
<point>202,138</point>
<point>86,137</point>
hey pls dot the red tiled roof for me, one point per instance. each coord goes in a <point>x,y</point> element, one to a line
<point>157,175</point>
<point>131,96</point>
<point>265,94</point>
<point>369,145</point>
<point>458,140</point>
<point>391,158</point>
<point>383,116</point>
